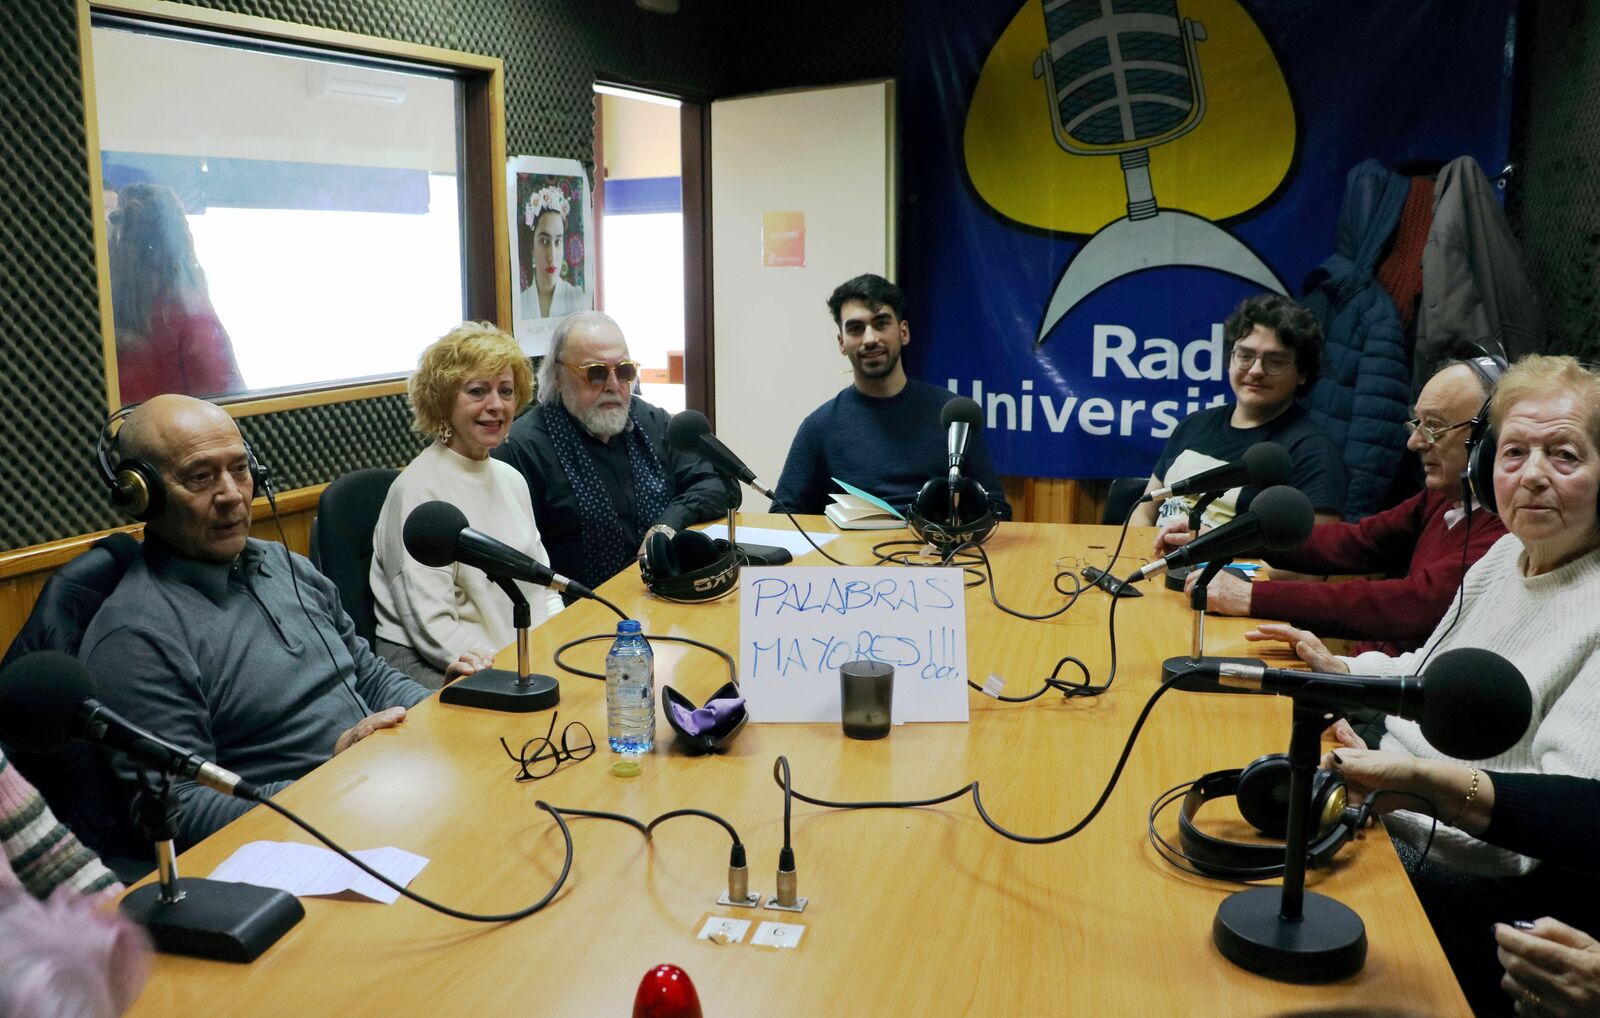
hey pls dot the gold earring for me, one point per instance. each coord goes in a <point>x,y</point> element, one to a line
<point>446,432</point>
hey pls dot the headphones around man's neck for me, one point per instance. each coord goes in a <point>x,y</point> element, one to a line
<point>135,484</point>
<point>1477,481</point>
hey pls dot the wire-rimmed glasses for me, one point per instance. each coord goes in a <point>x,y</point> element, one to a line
<point>540,756</point>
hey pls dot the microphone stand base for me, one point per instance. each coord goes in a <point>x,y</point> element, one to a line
<point>764,554</point>
<point>502,690</point>
<point>1328,942</point>
<point>1200,683</point>
<point>214,918</point>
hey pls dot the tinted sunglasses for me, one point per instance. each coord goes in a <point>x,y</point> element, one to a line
<point>596,372</point>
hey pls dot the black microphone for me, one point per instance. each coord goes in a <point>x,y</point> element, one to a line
<point>47,698</point>
<point>1471,704</point>
<point>690,432</point>
<point>1280,517</point>
<point>959,417</point>
<point>1263,465</point>
<point>436,534</point>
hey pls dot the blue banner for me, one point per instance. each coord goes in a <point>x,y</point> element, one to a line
<point>1090,186</point>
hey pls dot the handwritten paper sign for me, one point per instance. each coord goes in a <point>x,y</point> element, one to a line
<point>798,624</point>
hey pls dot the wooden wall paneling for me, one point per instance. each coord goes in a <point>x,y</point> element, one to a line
<point>24,573</point>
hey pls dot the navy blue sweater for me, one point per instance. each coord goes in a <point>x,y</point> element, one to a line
<point>889,447</point>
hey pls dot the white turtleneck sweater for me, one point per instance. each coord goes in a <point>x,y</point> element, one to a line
<point>1549,627</point>
<point>441,611</point>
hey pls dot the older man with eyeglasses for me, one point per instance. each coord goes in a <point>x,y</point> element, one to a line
<point>1424,545</point>
<point>599,469</point>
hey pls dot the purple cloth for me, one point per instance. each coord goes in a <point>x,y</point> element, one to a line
<point>715,717</point>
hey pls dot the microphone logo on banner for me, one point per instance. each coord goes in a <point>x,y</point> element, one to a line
<point>1120,82</point>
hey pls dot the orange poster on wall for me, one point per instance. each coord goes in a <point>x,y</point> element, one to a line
<point>783,240</point>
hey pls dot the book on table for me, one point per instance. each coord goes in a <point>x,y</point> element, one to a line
<point>855,509</point>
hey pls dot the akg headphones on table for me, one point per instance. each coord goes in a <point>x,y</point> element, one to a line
<point>1262,794</point>
<point>929,515</point>
<point>689,566</point>
<point>135,484</point>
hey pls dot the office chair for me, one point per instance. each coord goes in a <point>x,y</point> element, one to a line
<point>77,781</point>
<point>1124,492</point>
<point>341,540</point>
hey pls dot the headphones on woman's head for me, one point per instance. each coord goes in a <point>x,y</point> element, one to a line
<point>135,484</point>
<point>689,566</point>
<point>929,515</point>
<point>1262,793</point>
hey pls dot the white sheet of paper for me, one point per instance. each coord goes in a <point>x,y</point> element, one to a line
<point>310,870</point>
<point>798,624</point>
<point>788,539</point>
<point>778,935</point>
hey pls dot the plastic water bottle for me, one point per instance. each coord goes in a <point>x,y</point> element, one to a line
<point>630,691</point>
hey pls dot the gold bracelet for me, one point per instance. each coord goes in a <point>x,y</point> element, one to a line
<point>1472,793</point>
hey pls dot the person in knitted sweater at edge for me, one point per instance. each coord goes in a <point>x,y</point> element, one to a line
<point>1532,598</point>
<point>882,433</point>
<point>1274,354</point>
<point>1419,542</point>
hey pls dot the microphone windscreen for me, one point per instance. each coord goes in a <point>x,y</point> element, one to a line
<point>685,429</point>
<point>39,697</point>
<point>1269,464</point>
<point>962,409</point>
<point>1285,515</point>
<point>1475,704</point>
<point>431,531</point>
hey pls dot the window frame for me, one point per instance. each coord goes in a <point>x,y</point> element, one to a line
<point>485,236</point>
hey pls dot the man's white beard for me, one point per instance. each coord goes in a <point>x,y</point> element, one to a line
<point>604,421</point>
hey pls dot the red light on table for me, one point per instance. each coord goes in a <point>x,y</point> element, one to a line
<point>666,992</point>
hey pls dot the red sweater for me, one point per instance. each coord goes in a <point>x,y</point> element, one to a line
<point>1410,543</point>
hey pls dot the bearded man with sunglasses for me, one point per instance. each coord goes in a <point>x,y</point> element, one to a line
<point>599,469</point>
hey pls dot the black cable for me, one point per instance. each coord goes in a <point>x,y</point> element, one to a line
<point>506,917</point>
<point>809,541</point>
<point>620,613</point>
<point>272,503</point>
<point>946,559</point>
<point>727,659</point>
<point>977,800</point>
<point>706,814</point>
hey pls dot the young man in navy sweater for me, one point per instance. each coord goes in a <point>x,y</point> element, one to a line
<point>883,433</point>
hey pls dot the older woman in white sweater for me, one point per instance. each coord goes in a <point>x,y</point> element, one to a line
<point>1534,598</point>
<point>467,388</point>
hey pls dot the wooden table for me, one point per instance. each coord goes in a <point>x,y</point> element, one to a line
<point>922,912</point>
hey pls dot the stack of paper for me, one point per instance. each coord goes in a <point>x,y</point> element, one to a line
<point>858,510</point>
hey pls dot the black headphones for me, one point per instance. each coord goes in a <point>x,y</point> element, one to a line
<point>135,484</point>
<point>929,515</point>
<point>1262,791</point>
<point>689,566</point>
<point>1478,479</point>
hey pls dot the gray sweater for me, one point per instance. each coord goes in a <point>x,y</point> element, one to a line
<point>221,660</point>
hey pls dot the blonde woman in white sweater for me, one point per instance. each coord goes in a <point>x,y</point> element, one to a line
<point>1534,598</point>
<point>466,390</point>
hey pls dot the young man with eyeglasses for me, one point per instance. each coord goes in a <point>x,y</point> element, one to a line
<point>599,469</point>
<point>1274,354</point>
<point>882,433</point>
<point>1417,544</point>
